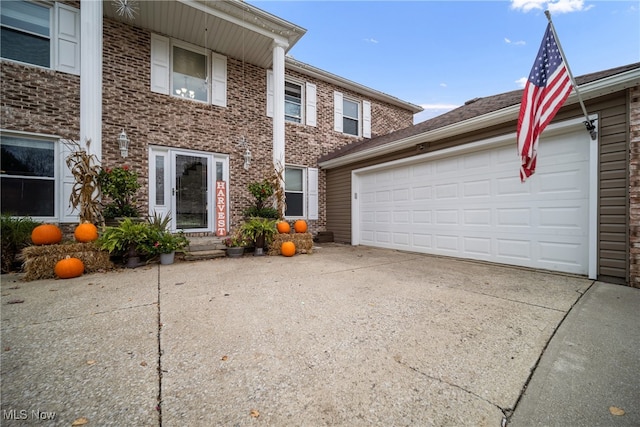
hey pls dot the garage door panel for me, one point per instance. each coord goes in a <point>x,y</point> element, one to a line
<point>474,206</point>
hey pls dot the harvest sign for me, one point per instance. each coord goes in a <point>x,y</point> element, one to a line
<point>221,208</point>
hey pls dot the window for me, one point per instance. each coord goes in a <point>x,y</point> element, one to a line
<point>28,176</point>
<point>293,192</point>
<point>299,101</point>
<point>301,192</point>
<point>189,74</point>
<point>188,71</point>
<point>28,36</point>
<point>292,102</point>
<point>26,33</point>
<point>351,117</point>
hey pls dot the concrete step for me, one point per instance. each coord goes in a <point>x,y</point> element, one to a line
<point>206,254</point>
<point>207,243</point>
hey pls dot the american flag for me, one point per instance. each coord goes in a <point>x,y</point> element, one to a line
<point>547,88</point>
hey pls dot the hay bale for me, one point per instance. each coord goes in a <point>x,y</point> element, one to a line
<point>303,242</point>
<point>40,261</point>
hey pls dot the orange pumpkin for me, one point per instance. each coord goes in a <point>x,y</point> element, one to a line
<point>46,234</point>
<point>300,226</point>
<point>283,227</point>
<point>69,267</point>
<point>86,232</point>
<point>288,249</point>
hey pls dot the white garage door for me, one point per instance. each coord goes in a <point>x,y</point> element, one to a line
<point>473,205</point>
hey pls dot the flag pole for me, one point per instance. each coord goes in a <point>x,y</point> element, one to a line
<point>588,123</point>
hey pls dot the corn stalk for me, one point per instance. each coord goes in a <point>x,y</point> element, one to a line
<point>275,176</point>
<point>85,193</point>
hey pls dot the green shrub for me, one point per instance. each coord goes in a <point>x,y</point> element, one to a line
<point>16,235</point>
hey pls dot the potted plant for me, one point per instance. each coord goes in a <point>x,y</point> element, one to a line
<point>128,238</point>
<point>120,185</point>
<point>235,244</point>
<point>166,244</point>
<point>260,231</point>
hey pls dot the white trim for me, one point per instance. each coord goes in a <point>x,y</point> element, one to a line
<point>593,201</point>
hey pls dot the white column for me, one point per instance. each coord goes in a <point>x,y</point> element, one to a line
<point>91,75</point>
<point>278,104</point>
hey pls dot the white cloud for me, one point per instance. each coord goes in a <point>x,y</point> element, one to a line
<point>554,6</point>
<point>518,43</point>
<point>371,40</point>
<point>521,82</point>
<point>443,85</point>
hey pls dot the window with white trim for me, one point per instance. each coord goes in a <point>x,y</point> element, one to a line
<point>351,116</point>
<point>301,192</point>
<point>28,176</point>
<point>28,35</point>
<point>299,100</point>
<point>187,71</point>
<point>292,102</point>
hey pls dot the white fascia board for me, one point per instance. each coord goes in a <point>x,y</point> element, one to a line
<point>310,70</point>
<point>272,31</point>
<point>591,90</point>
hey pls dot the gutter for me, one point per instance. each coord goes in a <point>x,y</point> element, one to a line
<point>591,90</point>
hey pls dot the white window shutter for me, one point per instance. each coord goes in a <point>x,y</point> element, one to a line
<point>311,104</point>
<point>337,111</point>
<point>219,80</point>
<point>366,119</point>
<point>269,93</point>
<point>67,214</point>
<point>312,193</point>
<point>67,40</point>
<point>160,66</point>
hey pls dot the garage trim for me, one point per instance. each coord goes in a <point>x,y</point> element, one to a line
<point>503,140</point>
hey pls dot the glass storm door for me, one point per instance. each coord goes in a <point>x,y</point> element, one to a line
<point>191,186</point>
<point>182,185</point>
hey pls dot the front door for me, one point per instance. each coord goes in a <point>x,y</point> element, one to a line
<point>182,186</point>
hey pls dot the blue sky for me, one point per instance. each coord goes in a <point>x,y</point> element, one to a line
<point>439,54</point>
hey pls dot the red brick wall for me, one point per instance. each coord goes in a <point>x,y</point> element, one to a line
<point>157,119</point>
<point>38,100</point>
<point>48,102</point>
<point>634,187</point>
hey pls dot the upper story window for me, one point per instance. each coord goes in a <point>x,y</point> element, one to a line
<point>190,75</point>
<point>188,71</point>
<point>351,116</point>
<point>299,100</point>
<point>293,102</point>
<point>28,35</point>
<point>28,177</point>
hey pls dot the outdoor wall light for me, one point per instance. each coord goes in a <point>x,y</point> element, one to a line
<point>123,142</point>
<point>247,158</point>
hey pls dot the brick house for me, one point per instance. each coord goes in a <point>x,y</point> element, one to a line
<point>450,185</point>
<point>204,92</point>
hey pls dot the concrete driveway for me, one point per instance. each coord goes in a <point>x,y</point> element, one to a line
<point>345,336</point>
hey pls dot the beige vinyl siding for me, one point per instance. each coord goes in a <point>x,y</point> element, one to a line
<point>613,226</point>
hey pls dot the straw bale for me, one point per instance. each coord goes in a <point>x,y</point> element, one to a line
<point>303,242</point>
<point>40,261</point>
